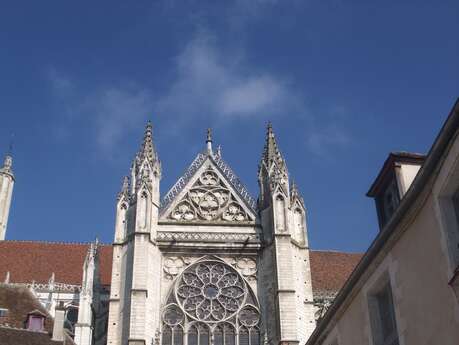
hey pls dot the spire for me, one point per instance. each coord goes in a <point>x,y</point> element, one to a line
<point>148,148</point>
<point>272,171</point>
<point>271,153</point>
<point>209,141</point>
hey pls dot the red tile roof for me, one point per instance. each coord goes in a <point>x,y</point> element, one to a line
<point>330,270</point>
<point>29,261</point>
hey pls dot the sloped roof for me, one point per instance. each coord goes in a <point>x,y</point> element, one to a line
<point>29,261</point>
<point>330,270</point>
<point>20,301</point>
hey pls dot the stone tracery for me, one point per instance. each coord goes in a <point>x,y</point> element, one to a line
<point>211,304</point>
<point>209,199</point>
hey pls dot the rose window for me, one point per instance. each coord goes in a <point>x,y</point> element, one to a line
<point>212,301</point>
<point>210,291</point>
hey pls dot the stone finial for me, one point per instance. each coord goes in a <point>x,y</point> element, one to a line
<point>7,167</point>
<point>271,151</point>
<point>148,148</point>
<point>295,194</point>
<point>272,156</point>
<point>209,141</point>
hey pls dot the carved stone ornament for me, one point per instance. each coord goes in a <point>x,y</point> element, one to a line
<point>173,265</point>
<point>209,200</point>
<point>247,266</point>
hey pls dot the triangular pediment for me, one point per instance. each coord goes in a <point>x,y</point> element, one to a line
<point>208,192</point>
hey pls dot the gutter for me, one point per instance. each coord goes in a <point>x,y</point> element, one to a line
<point>434,157</point>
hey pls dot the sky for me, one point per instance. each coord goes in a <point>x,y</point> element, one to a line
<point>344,82</point>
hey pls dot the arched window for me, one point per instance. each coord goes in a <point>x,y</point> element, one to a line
<point>298,220</point>
<point>193,335</point>
<point>280,213</point>
<point>243,336</point>
<point>229,335</point>
<point>209,300</point>
<point>178,335</point>
<point>204,335</point>
<point>167,335</point>
<point>218,336</point>
<point>172,328</point>
<point>254,336</point>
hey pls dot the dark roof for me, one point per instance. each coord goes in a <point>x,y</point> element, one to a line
<point>19,301</point>
<point>389,163</point>
<point>29,261</point>
<point>330,270</point>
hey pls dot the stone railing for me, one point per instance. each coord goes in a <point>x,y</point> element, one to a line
<point>173,236</point>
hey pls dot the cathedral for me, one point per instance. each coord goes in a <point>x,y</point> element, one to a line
<point>203,264</point>
<point>207,264</point>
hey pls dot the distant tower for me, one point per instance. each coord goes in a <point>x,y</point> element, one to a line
<point>6,193</point>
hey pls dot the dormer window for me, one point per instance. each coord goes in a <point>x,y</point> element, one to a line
<point>389,201</point>
<point>393,181</point>
<point>36,321</point>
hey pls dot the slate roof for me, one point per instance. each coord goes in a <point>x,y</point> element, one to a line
<point>20,301</point>
<point>29,261</point>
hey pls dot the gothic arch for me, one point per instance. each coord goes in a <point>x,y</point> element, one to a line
<point>209,303</point>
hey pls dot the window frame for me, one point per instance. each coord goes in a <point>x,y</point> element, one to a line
<point>382,286</point>
<point>446,190</point>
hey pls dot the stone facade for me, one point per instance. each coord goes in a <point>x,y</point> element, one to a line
<point>208,260</point>
<point>205,260</point>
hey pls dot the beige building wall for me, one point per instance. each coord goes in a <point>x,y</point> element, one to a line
<point>418,259</point>
<point>426,307</point>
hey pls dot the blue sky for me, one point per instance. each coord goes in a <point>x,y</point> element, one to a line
<point>344,83</point>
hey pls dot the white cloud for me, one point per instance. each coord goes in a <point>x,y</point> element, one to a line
<point>111,112</point>
<point>220,85</point>
<point>319,141</point>
<point>210,83</point>
<point>117,112</point>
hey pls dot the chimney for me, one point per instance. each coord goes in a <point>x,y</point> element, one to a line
<point>393,181</point>
<point>59,318</point>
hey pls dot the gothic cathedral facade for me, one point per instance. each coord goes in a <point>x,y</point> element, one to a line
<point>207,264</point>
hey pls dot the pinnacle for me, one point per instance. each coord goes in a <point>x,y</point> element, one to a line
<point>148,148</point>
<point>271,152</point>
<point>209,141</point>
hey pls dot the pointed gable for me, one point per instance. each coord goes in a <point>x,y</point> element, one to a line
<point>209,191</point>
